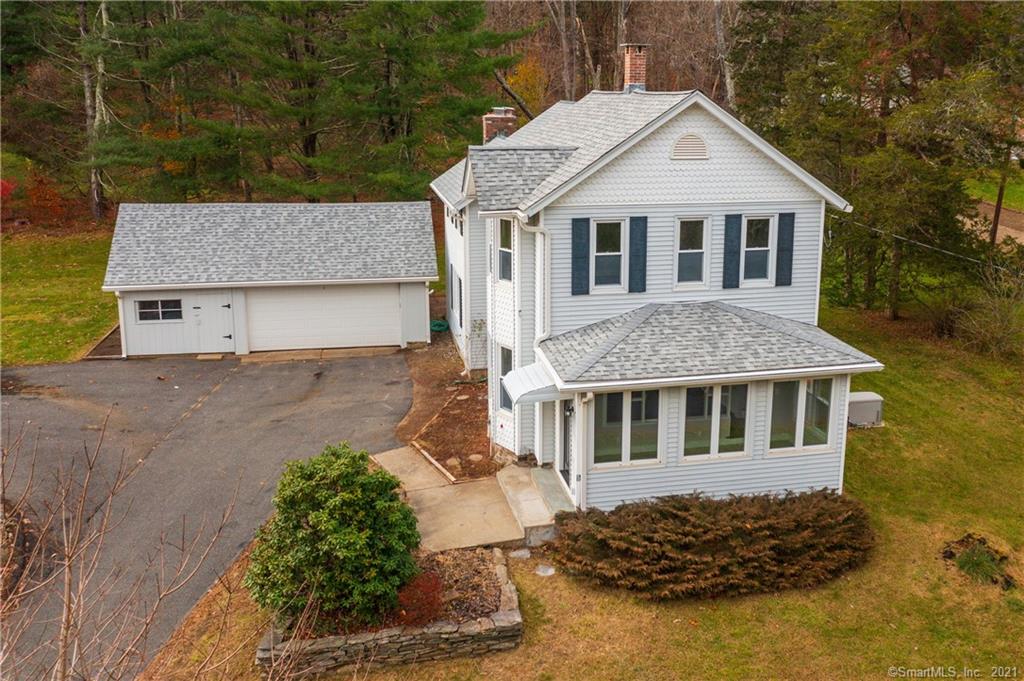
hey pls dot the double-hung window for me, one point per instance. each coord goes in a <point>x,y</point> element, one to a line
<point>691,258</point>
<point>757,239</point>
<point>505,360</point>
<point>458,300</point>
<point>609,252</point>
<point>505,250</point>
<point>159,310</point>
<point>626,426</point>
<point>801,412</point>
<point>715,420</point>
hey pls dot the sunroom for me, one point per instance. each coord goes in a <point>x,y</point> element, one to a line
<point>690,397</point>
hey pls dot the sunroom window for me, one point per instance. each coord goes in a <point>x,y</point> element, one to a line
<point>625,436</point>
<point>715,420</point>
<point>691,256</point>
<point>801,413</point>
<point>608,250</point>
<point>756,248</point>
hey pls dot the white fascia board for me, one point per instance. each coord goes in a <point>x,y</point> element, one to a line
<point>730,121</point>
<point>771,374</point>
<point>264,284</point>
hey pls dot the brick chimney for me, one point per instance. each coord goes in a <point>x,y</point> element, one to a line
<point>635,66</point>
<point>501,121</point>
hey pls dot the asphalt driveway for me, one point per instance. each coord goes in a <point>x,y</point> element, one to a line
<point>202,430</point>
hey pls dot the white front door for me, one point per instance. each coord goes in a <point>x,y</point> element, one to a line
<point>214,321</point>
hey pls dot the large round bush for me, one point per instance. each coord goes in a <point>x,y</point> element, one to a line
<point>341,539</point>
<point>693,546</point>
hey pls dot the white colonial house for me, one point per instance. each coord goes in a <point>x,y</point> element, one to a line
<point>639,273</point>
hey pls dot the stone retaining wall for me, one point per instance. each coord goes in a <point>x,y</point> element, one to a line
<point>502,630</point>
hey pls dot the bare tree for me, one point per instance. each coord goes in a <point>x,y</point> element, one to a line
<point>67,611</point>
<point>94,73</point>
<point>723,54</point>
<point>563,16</point>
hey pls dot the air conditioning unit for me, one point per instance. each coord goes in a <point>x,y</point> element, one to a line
<point>865,410</point>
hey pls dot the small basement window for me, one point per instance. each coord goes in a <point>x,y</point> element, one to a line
<point>689,147</point>
<point>158,310</point>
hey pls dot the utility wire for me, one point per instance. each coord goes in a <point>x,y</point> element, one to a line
<point>919,243</point>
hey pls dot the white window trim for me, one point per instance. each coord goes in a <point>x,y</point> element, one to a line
<point>501,378</point>
<point>498,250</point>
<point>623,253</point>
<point>758,283</point>
<point>716,408</point>
<point>627,425</point>
<point>801,408</point>
<point>159,321</point>
<point>706,261</point>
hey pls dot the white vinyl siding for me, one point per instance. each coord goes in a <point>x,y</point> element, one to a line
<point>759,471</point>
<point>206,324</point>
<point>735,171</point>
<point>797,301</point>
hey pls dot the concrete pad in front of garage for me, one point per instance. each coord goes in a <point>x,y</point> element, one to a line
<point>467,514</point>
<point>280,356</point>
<point>271,356</point>
<point>412,468</point>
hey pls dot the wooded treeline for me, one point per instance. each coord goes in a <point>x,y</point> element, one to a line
<point>895,105</point>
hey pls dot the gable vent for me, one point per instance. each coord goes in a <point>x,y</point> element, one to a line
<point>689,147</point>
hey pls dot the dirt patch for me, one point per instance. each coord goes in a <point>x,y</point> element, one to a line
<point>448,418</point>
<point>457,437</point>
<point>978,559</point>
<point>12,384</point>
<point>109,345</point>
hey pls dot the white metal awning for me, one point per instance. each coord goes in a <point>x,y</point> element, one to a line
<point>531,383</point>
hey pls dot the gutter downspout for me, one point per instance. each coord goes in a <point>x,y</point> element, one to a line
<point>538,337</point>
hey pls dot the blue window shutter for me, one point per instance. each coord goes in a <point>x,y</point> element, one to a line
<point>731,256</point>
<point>580,256</point>
<point>784,251</point>
<point>637,254</point>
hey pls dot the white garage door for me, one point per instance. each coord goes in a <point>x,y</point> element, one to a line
<point>296,317</point>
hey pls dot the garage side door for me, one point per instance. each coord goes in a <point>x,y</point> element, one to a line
<point>297,317</point>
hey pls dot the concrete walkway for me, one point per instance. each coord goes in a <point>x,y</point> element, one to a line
<point>452,516</point>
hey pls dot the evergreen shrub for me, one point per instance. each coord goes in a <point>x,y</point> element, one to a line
<point>694,546</point>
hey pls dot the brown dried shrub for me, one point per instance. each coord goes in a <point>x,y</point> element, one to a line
<point>693,546</point>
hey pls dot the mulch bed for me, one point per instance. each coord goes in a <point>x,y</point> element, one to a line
<point>470,590</point>
<point>471,587</point>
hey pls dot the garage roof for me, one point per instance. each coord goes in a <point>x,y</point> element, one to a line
<point>160,245</point>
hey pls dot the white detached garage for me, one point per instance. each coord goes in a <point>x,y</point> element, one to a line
<point>240,278</point>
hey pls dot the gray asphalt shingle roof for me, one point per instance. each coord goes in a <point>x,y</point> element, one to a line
<point>591,126</point>
<point>448,184</point>
<point>161,244</point>
<point>680,340</point>
<point>505,175</point>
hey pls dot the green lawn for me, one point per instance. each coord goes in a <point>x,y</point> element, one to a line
<point>949,460</point>
<point>52,305</point>
<point>986,190</point>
